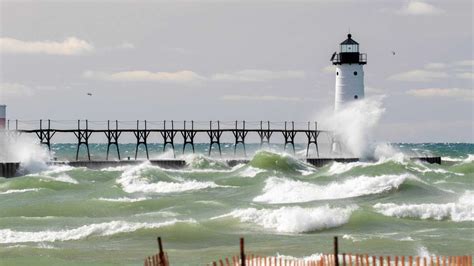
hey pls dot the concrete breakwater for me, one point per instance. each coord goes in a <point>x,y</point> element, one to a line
<point>12,169</point>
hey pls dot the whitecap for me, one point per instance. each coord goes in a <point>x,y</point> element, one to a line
<point>294,219</point>
<point>250,172</point>
<point>460,211</point>
<point>309,258</point>
<point>19,191</point>
<point>451,159</point>
<point>427,169</point>
<point>469,159</point>
<point>282,190</point>
<point>57,173</point>
<point>119,168</point>
<point>63,177</point>
<point>339,168</point>
<point>131,182</point>
<point>124,199</point>
<point>100,229</point>
<point>423,252</point>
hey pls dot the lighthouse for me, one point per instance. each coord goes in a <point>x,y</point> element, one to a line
<point>349,64</point>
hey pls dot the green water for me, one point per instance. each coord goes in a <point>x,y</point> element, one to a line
<point>78,216</point>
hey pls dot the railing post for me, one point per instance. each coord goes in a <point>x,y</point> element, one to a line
<point>336,251</point>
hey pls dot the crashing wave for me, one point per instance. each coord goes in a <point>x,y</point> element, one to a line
<point>132,182</point>
<point>268,160</point>
<point>460,211</point>
<point>100,229</point>
<point>294,219</point>
<point>282,190</point>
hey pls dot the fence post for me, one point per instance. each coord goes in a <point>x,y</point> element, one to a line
<point>336,251</point>
<point>242,252</point>
<point>161,254</point>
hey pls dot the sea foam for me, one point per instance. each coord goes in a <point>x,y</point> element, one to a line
<point>460,211</point>
<point>124,199</point>
<point>99,229</point>
<point>250,172</point>
<point>282,190</point>
<point>294,219</point>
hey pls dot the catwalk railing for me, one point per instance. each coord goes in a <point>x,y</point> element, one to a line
<point>45,130</point>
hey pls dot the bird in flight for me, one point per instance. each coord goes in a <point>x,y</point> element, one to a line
<point>393,52</point>
<point>89,94</point>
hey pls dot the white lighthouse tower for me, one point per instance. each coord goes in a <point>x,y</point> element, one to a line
<point>349,72</point>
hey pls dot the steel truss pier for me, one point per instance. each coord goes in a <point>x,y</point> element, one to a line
<point>143,132</point>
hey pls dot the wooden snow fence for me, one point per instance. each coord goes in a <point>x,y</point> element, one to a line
<point>370,260</point>
<point>159,259</point>
<point>335,259</point>
<point>349,260</point>
<point>343,259</point>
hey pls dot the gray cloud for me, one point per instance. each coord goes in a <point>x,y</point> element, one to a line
<point>258,75</point>
<point>417,8</point>
<point>190,77</point>
<point>436,71</point>
<point>443,92</point>
<point>419,75</point>
<point>183,76</point>
<point>218,44</point>
<point>15,89</point>
<point>264,98</point>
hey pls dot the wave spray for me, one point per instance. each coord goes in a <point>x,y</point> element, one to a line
<point>353,125</point>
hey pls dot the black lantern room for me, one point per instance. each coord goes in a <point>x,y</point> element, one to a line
<point>349,53</point>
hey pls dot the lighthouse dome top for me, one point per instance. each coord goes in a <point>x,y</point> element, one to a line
<point>349,45</point>
<point>349,40</point>
<point>349,53</point>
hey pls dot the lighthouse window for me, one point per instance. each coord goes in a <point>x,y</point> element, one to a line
<point>337,73</point>
<point>356,97</point>
<point>355,73</point>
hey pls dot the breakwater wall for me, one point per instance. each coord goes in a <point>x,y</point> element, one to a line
<point>11,169</point>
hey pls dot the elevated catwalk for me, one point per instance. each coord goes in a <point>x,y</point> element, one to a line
<point>45,130</point>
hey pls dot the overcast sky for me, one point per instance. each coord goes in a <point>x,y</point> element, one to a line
<point>238,60</point>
